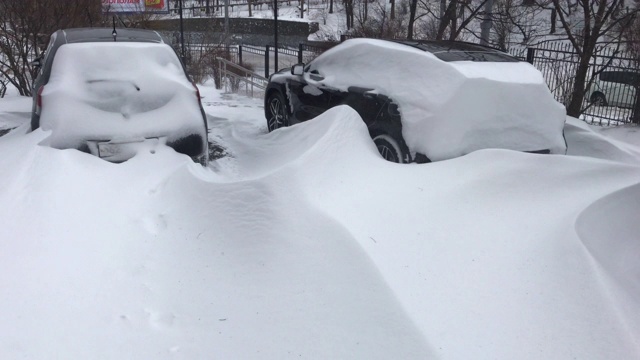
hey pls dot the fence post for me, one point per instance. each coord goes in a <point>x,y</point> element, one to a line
<point>635,115</point>
<point>531,52</point>
<point>266,62</point>
<point>300,50</point>
<point>240,54</point>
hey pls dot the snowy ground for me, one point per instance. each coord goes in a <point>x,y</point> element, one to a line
<point>303,243</point>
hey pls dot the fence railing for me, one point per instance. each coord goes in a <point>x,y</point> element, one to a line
<point>611,94</point>
<point>237,79</point>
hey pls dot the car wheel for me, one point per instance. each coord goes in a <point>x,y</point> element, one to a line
<point>598,99</point>
<point>389,148</point>
<point>277,115</point>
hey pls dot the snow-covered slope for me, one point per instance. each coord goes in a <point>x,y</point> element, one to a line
<point>303,243</point>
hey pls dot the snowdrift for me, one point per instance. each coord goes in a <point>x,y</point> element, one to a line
<point>304,243</point>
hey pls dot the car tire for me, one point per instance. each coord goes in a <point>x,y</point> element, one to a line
<point>598,98</point>
<point>389,148</point>
<point>277,115</point>
<point>202,160</point>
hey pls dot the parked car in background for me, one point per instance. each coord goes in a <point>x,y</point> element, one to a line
<point>424,100</point>
<point>114,92</point>
<point>615,88</point>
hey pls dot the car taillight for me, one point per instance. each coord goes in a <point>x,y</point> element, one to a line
<point>39,100</point>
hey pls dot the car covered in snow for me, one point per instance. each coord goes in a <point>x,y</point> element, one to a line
<point>615,88</point>
<point>424,100</point>
<point>116,92</point>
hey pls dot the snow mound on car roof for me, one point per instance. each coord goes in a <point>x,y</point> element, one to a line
<point>452,108</point>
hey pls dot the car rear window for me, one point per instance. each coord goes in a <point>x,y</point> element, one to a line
<point>91,60</point>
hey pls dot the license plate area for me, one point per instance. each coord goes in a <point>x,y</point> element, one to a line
<point>123,150</point>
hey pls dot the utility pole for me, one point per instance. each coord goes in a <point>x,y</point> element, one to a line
<point>226,23</point>
<point>485,26</point>
<point>275,32</point>
<point>184,59</point>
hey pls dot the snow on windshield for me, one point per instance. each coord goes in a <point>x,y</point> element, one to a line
<point>117,89</point>
<point>451,108</point>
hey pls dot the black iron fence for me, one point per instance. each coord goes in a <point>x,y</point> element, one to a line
<point>258,57</point>
<point>611,94</point>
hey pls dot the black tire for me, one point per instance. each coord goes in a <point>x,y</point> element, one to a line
<point>277,115</point>
<point>598,99</point>
<point>389,148</point>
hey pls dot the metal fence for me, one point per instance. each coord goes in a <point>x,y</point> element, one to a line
<point>262,59</point>
<point>612,86</point>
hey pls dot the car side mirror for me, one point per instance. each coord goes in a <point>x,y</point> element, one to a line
<point>297,69</point>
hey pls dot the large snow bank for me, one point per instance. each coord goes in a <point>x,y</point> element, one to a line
<point>304,243</point>
<point>119,90</point>
<point>584,141</point>
<point>610,231</point>
<point>450,109</point>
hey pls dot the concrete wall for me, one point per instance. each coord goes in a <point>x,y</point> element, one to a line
<point>243,30</point>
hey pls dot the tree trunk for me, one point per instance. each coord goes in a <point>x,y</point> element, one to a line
<point>554,14</point>
<point>366,10</point>
<point>635,118</point>
<point>577,93</point>
<point>348,10</point>
<point>447,18</point>
<point>330,6</point>
<point>393,10</point>
<point>412,18</point>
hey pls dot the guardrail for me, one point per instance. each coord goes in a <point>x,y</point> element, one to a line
<point>237,79</point>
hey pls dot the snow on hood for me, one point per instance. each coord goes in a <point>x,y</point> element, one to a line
<point>451,108</point>
<point>306,244</point>
<point>101,91</point>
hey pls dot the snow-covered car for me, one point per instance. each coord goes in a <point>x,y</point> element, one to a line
<point>113,93</point>
<point>424,100</point>
<point>615,88</point>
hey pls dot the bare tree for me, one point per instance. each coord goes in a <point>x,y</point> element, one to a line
<point>376,22</point>
<point>24,29</point>
<point>587,24</point>
<point>445,19</point>
<point>348,10</point>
